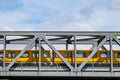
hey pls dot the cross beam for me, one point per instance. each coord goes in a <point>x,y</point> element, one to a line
<point>57,52</point>
<point>92,54</point>
<point>30,45</point>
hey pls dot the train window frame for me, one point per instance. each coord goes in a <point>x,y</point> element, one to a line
<point>117,55</point>
<point>104,54</point>
<point>24,55</point>
<point>35,54</point>
<point>11,54</point>
<point>80,54</point>
<point>1,54</point>
<point>67,54</point>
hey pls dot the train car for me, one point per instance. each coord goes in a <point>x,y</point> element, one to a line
<point>81,56</point>
<point>100,57</point>
<point>67,54</point>
<point>29,56</point>
<point>32,56</point>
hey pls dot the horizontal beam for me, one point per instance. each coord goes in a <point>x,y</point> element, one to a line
<point>61,74</point>
<point>54,42</point>
<point>57,33</point>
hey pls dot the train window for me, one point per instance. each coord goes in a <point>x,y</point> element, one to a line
<point>1,54</point>
<point>35,54</point>
<point>25,54</point>
<point>67,54</point>
<point>80,54</point>
<point>117,55</point>
<point>11,54</point>
<point>70,55</point>
<point>45,54</point>
<point>105,54</point>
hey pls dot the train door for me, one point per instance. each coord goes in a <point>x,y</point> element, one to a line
<point>116,57</point>
<point>46,57</point>
<point>105,57</point>
<point>68,55</point>
<point>35,56</point>
<point>80,56</point>
<point>10,55</point>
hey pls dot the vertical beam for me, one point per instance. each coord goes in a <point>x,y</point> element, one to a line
<point>68,41</point>
<point>92,54</point>
<point>66,46</point>
<point>57,52</point>
<point>39,62</point>
<point>36,45</point>
<point>4,52</point>
<point>20,54</point>
<point>111,55</point>
<point>75,53</point>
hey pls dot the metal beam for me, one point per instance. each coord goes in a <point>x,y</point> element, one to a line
<point>68,42</point>
<point>67,75</point>
<point>20,54</point>
<point>53,42</point>
<point>93,46</point>
<point>4,67</point>
<point>111,55</point>
<point>59,33</point>
<point>92,54</point>
<point>117,41</point>
<point>57,52</point>
<point>66,46</point>
<point>103,47</point>
<point>39,62</point>
<point>75,53</point>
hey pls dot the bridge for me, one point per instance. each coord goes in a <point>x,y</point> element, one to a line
<point>51,47</point>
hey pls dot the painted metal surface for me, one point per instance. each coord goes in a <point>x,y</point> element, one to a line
<point>49,38</point>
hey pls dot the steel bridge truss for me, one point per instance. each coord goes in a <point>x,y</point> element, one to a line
<point>36,39</point>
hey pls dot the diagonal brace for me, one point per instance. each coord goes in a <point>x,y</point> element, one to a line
<point>103,47</point>
<point>57,52</point>
<point>20,54</point>
<point>117,40</point>
<point>92,54</point>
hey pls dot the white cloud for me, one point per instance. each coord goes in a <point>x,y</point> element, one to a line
<point>62,16</point>
<point>11,21</point>
<point>78,27</point>
<point>6,28</point>
<point>105,20</point>
<point>115,4</point>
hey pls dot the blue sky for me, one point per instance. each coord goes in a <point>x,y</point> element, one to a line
<point>60,15</point>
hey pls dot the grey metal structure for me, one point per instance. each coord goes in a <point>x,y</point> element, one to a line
<point>40,39</point>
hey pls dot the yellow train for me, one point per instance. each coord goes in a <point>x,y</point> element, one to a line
<point>101,56</point>
<point>31,56</point>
